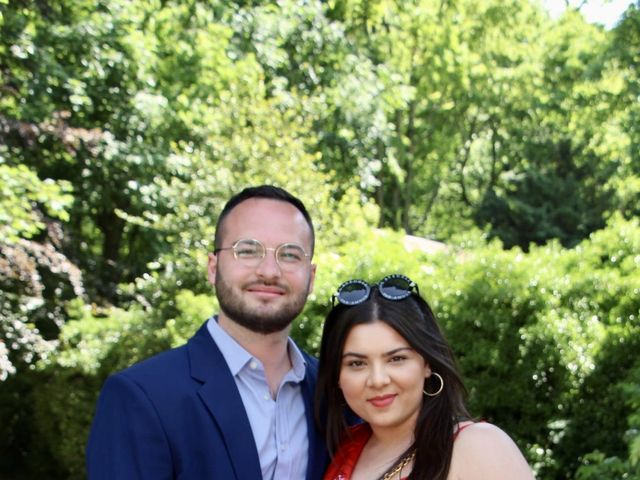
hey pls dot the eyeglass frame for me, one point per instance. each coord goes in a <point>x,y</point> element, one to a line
<point>264,250</point>
<point>368,287</point>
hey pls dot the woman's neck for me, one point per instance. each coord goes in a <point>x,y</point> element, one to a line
<point>394,435</point>
<point>382,452</point>
<point>393,443</point>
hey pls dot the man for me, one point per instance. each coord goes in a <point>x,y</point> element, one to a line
<point>235,401</point>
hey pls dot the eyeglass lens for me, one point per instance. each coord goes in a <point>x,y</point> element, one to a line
<point>251,252</point>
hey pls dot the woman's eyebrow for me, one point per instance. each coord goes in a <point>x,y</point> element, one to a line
<point>385,354</point>
<point>353,354</point>
<point>396,350</point>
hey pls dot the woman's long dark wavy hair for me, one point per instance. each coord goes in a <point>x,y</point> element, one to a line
<point>414,320</point>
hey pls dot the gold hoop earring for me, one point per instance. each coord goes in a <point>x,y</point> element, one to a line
<point>435,394</point>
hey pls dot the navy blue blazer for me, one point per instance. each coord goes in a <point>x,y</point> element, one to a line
<point>179,415</point>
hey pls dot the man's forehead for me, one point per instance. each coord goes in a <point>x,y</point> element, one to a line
<point>264,215</point>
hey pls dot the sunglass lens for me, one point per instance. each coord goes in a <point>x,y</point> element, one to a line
<point>352,293</point>
<point>396,287</point>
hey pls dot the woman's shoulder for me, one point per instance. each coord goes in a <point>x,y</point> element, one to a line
<point>478,429</point>
<point>462,425</point>
<point>483,450</point>
<point>481,436</point>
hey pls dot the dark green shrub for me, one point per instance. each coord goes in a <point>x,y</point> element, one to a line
<point>604,286</point>
<point>546,343</point>
<point>597,465</point>
<point>92,346</point>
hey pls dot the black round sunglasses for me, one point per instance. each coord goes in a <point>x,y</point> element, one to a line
<point>392,287</point>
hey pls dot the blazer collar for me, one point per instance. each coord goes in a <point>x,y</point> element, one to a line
<point>220,395</point>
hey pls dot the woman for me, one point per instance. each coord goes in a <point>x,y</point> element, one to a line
<point>384,359</point>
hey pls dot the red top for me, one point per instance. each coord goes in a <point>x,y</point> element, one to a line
<point>349,451</point>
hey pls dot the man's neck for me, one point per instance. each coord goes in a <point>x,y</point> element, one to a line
<point>271,349</point>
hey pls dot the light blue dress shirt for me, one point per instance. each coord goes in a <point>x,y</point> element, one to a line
<point>279,426</point>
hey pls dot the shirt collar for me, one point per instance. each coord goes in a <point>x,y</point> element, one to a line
<point>237,357</point>
<point>297,361</point>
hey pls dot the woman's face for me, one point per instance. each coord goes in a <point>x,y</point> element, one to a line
<point>382,377</point>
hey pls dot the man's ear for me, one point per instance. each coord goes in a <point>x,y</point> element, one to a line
<point>212,268</point>
<point>312,278</point>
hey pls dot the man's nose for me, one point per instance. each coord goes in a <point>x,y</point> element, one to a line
<point>268,266</point>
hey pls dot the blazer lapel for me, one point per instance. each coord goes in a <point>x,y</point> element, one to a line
<point>220,395</point>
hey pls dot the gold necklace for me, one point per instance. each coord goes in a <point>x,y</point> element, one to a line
<point>398,468</point>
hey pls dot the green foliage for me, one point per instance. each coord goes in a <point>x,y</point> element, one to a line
<point>93,344</point>
<point>602,293</point>
<point>192,310</point>
<point>559,158</point>
<point>506,341</point>
<point>22,189</point>
<point>598,465</point>
<point>625,57</point>
<point>536,352</point>
<point>28,313</point>
<point>125,126</point>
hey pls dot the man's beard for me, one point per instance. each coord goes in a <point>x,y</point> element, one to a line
<point>257,319</point>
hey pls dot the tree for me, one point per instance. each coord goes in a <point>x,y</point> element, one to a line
<point>35,276</point>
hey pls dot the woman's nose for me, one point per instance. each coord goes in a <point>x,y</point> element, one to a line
<point>378,376</point>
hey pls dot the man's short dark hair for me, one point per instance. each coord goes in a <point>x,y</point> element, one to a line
<point>262,191</point>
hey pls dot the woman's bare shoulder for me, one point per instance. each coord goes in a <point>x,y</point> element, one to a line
<point>482,450</point>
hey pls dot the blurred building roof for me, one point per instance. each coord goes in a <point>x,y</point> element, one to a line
<point>426,245</point>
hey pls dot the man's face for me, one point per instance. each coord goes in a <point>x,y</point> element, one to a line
<point>263,298</point>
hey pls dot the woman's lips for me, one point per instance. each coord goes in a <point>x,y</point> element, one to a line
<point>382,400</point>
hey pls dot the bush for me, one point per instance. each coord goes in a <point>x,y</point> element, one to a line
<point>546,342</point>
<point>93,345</point>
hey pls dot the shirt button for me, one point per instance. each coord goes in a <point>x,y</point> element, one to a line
<point>253,365</point>
<point>267,396</point>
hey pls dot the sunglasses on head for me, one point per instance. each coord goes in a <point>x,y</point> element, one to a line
<point>392,287</point>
